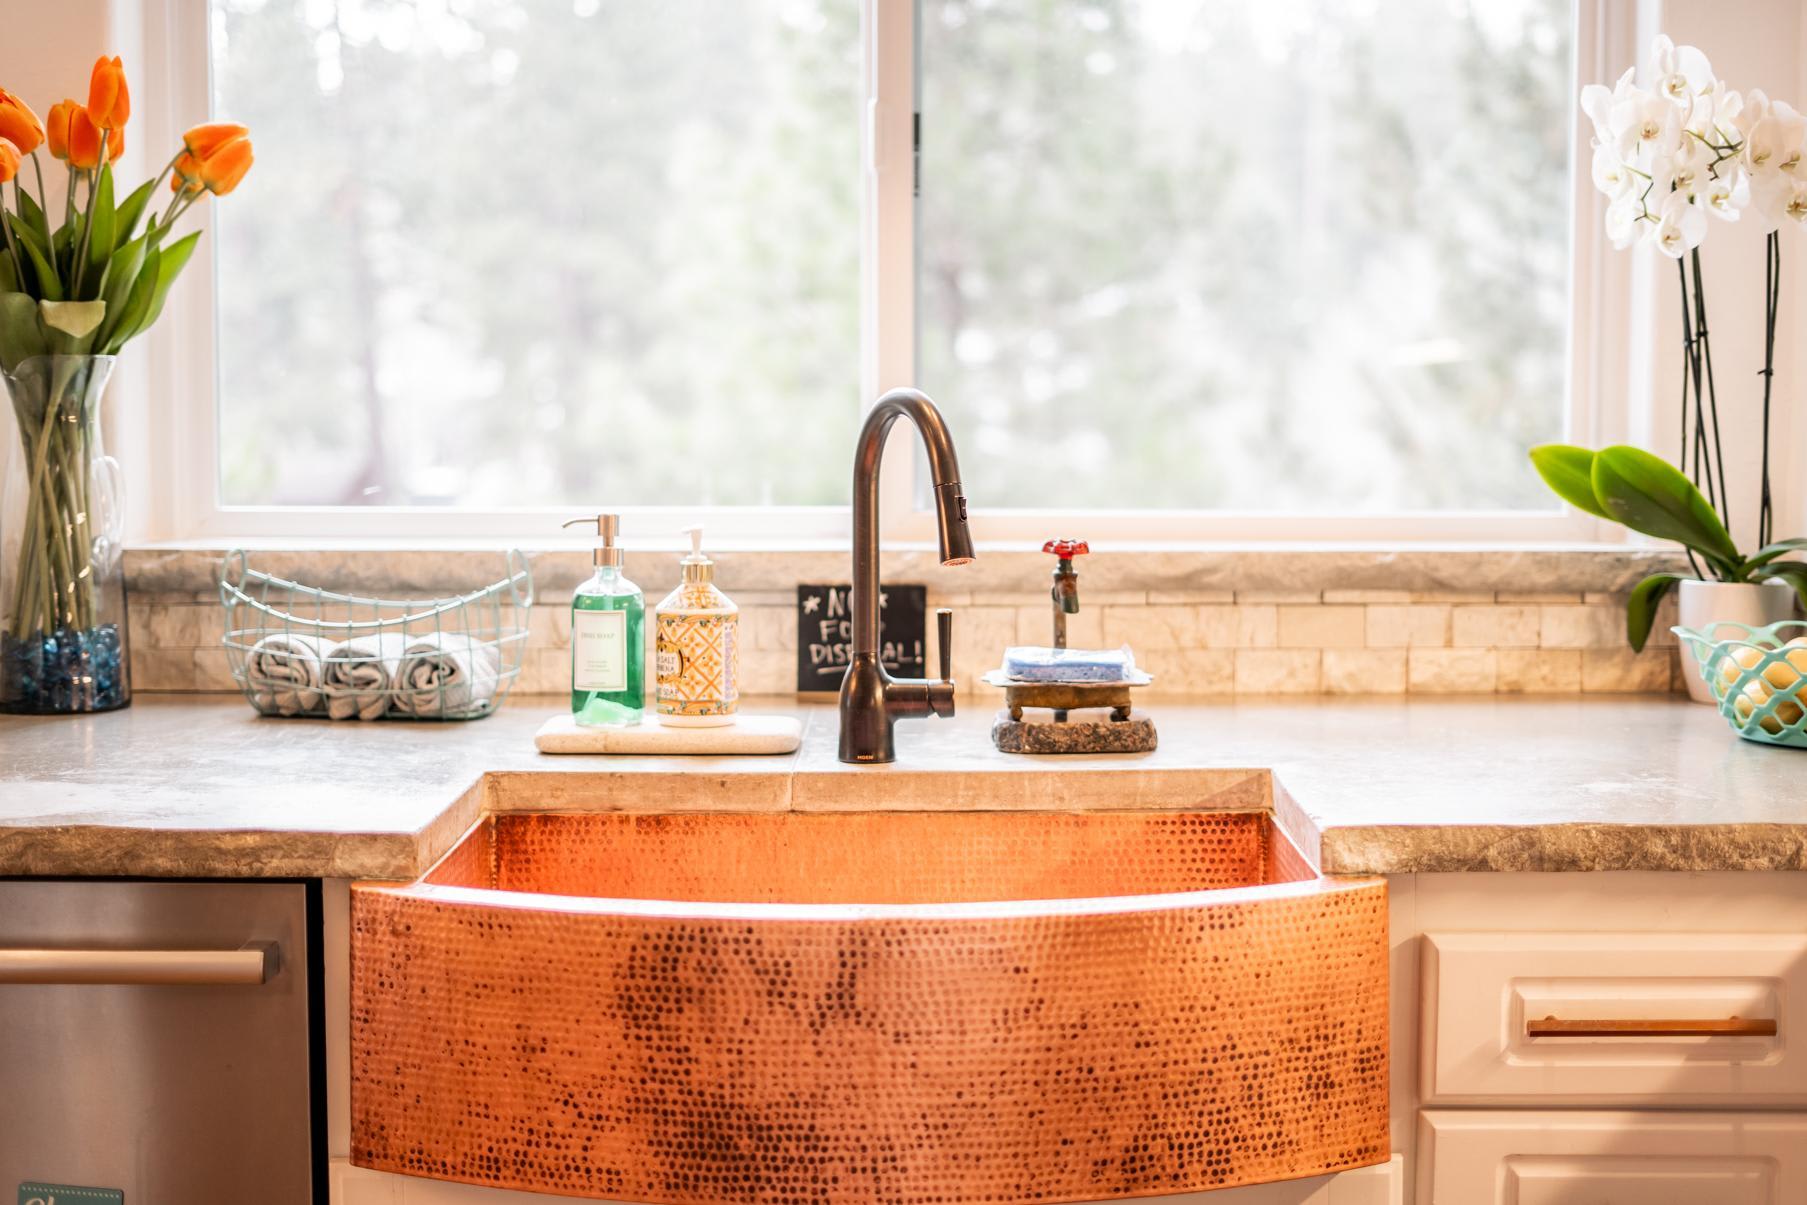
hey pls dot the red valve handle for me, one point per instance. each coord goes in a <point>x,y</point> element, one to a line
<point>1066,550</point>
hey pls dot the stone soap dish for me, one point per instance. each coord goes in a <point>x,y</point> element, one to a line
<point>748,734</point>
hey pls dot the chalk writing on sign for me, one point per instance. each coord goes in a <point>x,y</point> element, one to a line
<point>825,633</point>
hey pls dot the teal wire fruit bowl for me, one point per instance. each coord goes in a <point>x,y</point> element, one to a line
<point>1758,677</point>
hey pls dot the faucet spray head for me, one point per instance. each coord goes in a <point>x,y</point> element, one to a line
<point>950,522</point>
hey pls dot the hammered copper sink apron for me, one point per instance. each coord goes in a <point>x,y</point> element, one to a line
<point>870,1007</point>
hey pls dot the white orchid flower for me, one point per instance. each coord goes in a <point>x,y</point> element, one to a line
<point>1771,193</point>
<point>1796,208</point>
<point>1775,141</point>
<point>1682,72</point>
<point>1598,103</point>
<point>1644,123</point>
<point>1624,222</point>
<point>1611,176</point>
<point>1714,117</point>
<point>1680,227</point>
<point>1754,109</point>
<point>1726,196</point>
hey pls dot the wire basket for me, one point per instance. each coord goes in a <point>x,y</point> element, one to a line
<point>301,651</point>
<point>1758,678</point>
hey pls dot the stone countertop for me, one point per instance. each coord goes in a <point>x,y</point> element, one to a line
<point>201,786</point>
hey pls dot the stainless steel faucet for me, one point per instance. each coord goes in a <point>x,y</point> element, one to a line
<point>871,699</point>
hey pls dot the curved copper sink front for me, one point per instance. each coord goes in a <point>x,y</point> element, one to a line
<point>870,1007</point>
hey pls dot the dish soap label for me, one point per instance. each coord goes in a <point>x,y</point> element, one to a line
<point>599,644</point>
<point>697,661</point>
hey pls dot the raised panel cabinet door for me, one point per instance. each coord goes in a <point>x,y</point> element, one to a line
<point>1611,1158</point>
<point>1614,1019</point>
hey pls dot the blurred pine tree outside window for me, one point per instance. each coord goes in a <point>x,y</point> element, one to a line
<point>1282,255</point>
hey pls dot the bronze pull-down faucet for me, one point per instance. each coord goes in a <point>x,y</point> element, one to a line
<point>871,699</point>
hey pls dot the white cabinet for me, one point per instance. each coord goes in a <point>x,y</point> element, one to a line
<point>1526,1157</point>
<point>1612,1019</point>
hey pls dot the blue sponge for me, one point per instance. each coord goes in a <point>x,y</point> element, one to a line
<point>1033,663</point>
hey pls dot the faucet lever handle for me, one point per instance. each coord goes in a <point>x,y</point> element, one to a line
<point>944,633</point>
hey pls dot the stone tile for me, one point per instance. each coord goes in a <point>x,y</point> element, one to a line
<point>1494,627</point>
<point>1035,625</point>
<point>1145,627</point>
<point>1364,671</point>
<point>774,671</point>
<point>981,634</point>
<point>1539,671</point>
<point>1191,596</point>
<point>1320,627</point>
<point>1451,671</point>
<point>1536,597</point>
<point>1581,627</point>
<point>1190,671</point>
<point>162,669</point>
<point>1621,671</point>
<point>1336,597</point>
<point>183,626</point>
<point>212,671</point>
<point>774,627</point>
<point>1279,596</point>
<point>549,627</point>
<point>1452,597</point>
<point>1277,671</point>
<point>1257,626</point>
<point>1416,626</point>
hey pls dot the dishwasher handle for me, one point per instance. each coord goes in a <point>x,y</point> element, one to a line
<point>247,966</point>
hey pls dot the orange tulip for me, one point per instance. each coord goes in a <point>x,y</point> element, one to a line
<point>56,131</point>
<point>109,102</point>
<point>202,141</point>
<point>187,177</point>
<point>18,124</point>
<point>84,142</point>
<point>9,160</point>
<point>222,170</point>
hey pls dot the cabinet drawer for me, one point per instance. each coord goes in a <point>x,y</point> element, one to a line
<point>1586,1158</point>
<point>1614,1019</point>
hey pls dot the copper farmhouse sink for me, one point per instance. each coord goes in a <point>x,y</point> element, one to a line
<point>870,1007</point>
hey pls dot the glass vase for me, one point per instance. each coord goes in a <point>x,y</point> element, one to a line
<point>62,586</point>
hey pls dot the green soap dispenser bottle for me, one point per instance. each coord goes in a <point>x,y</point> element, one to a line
<point>608,638</point>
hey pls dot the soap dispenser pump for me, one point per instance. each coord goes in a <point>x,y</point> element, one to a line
<point>698,644</point>
<point>608,638</point>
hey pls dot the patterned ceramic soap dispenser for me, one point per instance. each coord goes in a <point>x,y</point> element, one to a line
<point>698,647</point>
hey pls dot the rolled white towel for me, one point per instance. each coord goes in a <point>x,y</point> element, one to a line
<point>445,673</point>
<point>357,673</point>
<point>283,671</point>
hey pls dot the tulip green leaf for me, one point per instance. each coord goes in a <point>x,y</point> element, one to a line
<point>138,304</point>
<point>116,286</point>
<point>100,236</point>
<point>1640,609</point>
<point>73,318</point>
<point>125,219</point>
<point>170,262</point>
<point>48,284</point>
<point>9,279</point>
<point>1569,471</point>
<point>34,217</point>
<point>20,336</point>
<point>1648,494</point>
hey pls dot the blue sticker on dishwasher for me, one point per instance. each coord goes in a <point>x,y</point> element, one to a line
<point>36,1192</point>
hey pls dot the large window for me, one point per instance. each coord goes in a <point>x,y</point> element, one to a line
<point>1302,256</point>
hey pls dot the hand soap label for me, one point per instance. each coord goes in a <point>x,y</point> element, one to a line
<point>599,650</point>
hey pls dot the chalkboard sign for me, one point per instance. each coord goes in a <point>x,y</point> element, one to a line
<point>825,634</point>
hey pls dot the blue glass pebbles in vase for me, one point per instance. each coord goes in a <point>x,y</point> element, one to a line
<point>62,588</point>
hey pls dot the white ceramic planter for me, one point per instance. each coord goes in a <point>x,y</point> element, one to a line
<point>1703,605</point>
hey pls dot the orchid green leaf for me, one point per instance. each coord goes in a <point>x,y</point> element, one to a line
<point>1640,609</point>
<point>1648,494</point>
<point>1569,470</point>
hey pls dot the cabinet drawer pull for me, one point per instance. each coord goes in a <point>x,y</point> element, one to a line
<point>252,965</point>
<point>1734,1027</point>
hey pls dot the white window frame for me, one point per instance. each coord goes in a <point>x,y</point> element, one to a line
<point>173,457</point>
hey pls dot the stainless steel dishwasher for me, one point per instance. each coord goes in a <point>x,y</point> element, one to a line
<point>157,1038</point>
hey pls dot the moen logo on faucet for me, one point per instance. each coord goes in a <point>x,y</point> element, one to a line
<point>35,1192</point>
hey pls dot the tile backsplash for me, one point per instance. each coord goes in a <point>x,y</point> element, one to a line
<point>1319,638</point>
